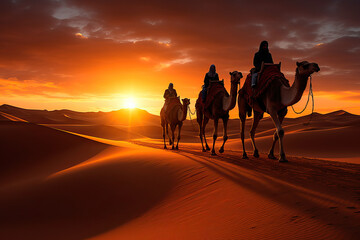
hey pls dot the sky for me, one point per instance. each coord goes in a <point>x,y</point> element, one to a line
<point>90,55</point>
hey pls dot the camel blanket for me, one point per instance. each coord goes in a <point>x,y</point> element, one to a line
<point>269,74</point>
<point>172,102</point>
<point>213,90</point>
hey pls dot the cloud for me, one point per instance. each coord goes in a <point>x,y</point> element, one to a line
<point>168,64</point>
<point>80,35</point>
<point>13,86</point>
<point>135,44</point>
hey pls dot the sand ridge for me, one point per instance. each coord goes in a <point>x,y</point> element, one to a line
<point>76,181</point>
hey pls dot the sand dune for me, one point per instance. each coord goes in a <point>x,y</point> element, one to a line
<point>325,136</point>
<point>81,182</point>
<point>30,151</point>
<point>133,192</point>
<point>125,117</point>
<point>102,131</point>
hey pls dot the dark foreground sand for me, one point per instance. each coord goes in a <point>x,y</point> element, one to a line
<point>59,185</point>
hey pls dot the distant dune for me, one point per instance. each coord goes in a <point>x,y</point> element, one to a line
<point>328,136</point>
<point>121,117</point>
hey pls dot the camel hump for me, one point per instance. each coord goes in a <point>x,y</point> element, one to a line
<point>175,101</point>
<point>214,89</point>
<point>171,103</point>
<point>212,82</point>
<point>270,72</point>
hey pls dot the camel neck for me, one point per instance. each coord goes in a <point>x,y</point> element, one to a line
<point>182,113</point>
<point>230,102</point>
<point>292,95</point>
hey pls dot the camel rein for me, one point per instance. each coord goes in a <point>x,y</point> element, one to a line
<point>307,102</point>
<point>191,113</point>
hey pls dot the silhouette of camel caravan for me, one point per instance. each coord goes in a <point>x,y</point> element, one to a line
<point>217,105</point>
<point>174,115</point>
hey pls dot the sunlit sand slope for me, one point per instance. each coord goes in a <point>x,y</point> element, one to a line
<point>76,187</point>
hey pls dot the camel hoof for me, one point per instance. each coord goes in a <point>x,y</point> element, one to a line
<point>244,156</point>
<point>170,142</point>
<point>177,148</point>
<point>165,147</point>
<point>256,154</point>
<point>282,158</point>
<point>271,156</point>
<point>173,147</point>
<point>204,150</point>
<point>207,148</point>
<point>213,153</point>
<point>221,150</point>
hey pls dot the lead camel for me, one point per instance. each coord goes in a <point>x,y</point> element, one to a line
<point>276,98</point>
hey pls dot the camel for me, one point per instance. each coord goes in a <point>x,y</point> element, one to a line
<point>275,98</point>
<point>219,108</point>
<point>175,117</point>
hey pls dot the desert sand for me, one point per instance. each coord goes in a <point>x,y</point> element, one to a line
<point>90,176</point>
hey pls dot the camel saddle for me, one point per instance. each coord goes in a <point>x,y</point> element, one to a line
<point>268,74</point>
<point>171,103</point>
<point>214,88</point>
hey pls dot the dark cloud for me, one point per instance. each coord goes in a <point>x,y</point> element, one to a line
<point>38,41</point>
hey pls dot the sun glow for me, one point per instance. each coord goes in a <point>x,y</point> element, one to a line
<point>129,103</point>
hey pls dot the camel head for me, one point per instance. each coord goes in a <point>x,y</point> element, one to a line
<point>185,101</point>
<point>306,68</point>
<point>235,77</point>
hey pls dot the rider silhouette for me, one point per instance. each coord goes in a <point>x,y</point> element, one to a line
<point>209,76</point>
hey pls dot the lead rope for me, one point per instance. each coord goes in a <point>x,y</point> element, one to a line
<point>307,102</point>
<point>191,113</point>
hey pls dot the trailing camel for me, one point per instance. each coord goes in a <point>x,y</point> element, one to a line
<point>174,116</point>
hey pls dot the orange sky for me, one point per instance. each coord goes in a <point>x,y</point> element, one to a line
<point>89,55</point>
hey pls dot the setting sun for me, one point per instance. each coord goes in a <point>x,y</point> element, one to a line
<point>129,103</point>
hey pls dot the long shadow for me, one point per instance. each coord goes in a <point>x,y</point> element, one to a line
<point>253,178</point>
<point>266,189</point>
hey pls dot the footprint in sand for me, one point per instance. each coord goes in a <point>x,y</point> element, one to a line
<point>351,207</point>
<point>293,218</point>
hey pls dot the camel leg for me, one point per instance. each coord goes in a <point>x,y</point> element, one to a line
<point>167,132</point>
<point>178,138</point>
<point>257,117</point>
<point>280,133</point>
<point>206,120</point>
<point>199,119</point>
<point>276,137</point>
<point>243,119</point>
<point>163,123</point>
<point>242,114</point>
<point>216,123</point>
<point>163,128</point>
<point>225,136</point>
<point>173,126</point>
<point>271,152</point>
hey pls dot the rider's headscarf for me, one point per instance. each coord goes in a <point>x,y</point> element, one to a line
<point>261,50</point>
<point>212,70</point>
